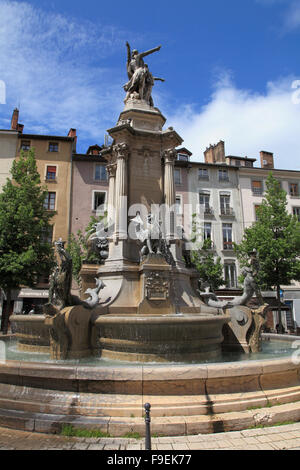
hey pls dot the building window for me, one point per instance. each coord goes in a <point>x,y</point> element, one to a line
<point>100,173</point>
<point>248,164</point>
<point>203,174</point>
<point>49,203</point>
<point>225,204</point>
<point>227,237</point>
<point>230,275</point>
<point>177,176</point>
<point>178,205</point>
<point>294,189</point>
<point>296,212</point>
<point>99,200</point>
<point>25,145</point>
<point>207,231</point>
<point>204,199</point>
<point>223,175</point>
<point>257,188</point>
<point>51,173</point>
<point>53,147</point>
<point>182,157</point>
<point>237,163</point>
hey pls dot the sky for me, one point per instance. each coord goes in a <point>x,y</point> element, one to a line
<point>231,69</point>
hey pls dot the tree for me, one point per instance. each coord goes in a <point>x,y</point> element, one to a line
<point>276,238</point>
<point>78,247</point>
<point>209,267</point>
<point>25,253</point>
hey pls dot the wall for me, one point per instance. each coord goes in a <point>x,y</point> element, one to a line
<point>8,146</point>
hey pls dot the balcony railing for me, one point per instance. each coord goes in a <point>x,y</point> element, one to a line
<point>228,245</point>
<point>227,211</point>
<point>257,191</point>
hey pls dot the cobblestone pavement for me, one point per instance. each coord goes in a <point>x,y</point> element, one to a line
<point>270,438</point>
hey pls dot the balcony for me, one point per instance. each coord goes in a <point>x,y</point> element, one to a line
<point>227,211</point>
<point>257,191</point>
<point>206,210</point>
<point>227,246</point>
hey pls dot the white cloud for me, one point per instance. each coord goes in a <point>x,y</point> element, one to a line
<point>53,67</point>
<point>248,122</point>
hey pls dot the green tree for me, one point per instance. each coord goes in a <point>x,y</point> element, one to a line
<point>25,254</point>
<point>276,238</point>
<point>209,266</point>
<point>78,247</point>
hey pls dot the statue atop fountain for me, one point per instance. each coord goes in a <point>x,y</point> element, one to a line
<point>141,80</point>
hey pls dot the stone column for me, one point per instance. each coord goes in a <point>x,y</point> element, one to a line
<point>111,171</point>
<point>121,153</point>
<point>169,192</point>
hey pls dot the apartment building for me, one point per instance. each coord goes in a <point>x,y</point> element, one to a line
<point>54,163</point>
<point>252,181</point>
<point>213,200</point>
<point>8,147</point>
<point>89,187</point>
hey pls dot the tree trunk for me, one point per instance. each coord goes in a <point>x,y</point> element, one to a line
<point>280,328</point>
<point>6,313</point>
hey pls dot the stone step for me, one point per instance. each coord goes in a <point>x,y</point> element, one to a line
<point>168,426</point>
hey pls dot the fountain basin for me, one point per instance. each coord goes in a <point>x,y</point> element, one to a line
<point>160,338</point>
<point>31,332</point>
<point>185,399</point>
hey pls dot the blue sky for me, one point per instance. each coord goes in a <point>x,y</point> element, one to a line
<point>229,67</point>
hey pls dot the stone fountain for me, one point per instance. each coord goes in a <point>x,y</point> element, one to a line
<point>143,304</point>
<point>149,308</point>
<point>140,305</point>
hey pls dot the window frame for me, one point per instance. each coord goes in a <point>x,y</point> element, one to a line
<point>48,197</point>
<point>53,143</point>
<point>101,165</point>
<point>96,191</point>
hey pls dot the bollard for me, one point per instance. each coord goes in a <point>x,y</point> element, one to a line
<point>147,407</point>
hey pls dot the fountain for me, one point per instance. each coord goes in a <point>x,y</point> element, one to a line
<point>155,335</point>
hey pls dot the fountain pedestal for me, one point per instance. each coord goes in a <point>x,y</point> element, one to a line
<point>154,313</point>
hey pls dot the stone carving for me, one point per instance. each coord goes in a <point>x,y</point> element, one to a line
<point>60,338</point>
<point>93,299</point>
<point>150,237</point>
<point>254,334</point>
<point>157,288</point>
<point>250,287</point>
<point>61,278</point>
<point>98,243</point>
<point>60,286</point>
<point>243,332</point>
<point>140,78</point>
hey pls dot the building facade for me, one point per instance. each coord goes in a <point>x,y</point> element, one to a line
<point>89,188</point>
<point>54,163</point>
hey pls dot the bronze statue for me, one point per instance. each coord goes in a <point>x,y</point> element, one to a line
<point>141,80</point>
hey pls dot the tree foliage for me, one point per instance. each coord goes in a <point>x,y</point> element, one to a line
<point>79,249</point>
<point>276,238</point>
<point>209,266</point>
<point>25,253</point>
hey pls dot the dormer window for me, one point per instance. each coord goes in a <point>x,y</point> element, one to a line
<point>183,157</point>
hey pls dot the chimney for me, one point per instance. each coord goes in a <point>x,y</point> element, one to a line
<point>266,160</point>
<point>15,120</point>
<point>215,153</point>
<point>20,128</point>
<point>72,133</point>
